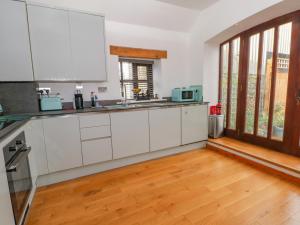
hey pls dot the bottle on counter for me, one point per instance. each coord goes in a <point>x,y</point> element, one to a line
<point>93,99</point>
<point>78,100</point>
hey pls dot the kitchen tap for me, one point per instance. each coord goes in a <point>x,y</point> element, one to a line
<point>1,110</point>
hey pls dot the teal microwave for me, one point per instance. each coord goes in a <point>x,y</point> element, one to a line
<point>192,94</point>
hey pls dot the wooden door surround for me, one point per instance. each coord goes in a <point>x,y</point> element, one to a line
<point>290,143</point>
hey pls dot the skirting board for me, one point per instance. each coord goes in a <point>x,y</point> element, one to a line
<point>258,161</point>
<point>100,167</point>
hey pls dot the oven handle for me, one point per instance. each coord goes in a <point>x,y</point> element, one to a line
<point>12,167</point>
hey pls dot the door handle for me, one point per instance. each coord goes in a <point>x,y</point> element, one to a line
<point>298,97</point>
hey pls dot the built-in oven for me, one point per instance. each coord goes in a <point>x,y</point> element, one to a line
<point>18,174</point>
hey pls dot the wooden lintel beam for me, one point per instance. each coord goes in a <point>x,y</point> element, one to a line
<point>138,52</point>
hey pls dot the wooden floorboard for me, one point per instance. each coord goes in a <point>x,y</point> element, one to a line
<point>194,188</point>
<point>265,154</point>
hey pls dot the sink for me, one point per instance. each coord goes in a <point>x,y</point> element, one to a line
<point>128,106</point>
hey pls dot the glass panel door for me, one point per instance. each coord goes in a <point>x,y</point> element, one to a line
<point>281,83</point>
<point>234,74</point>
<point>251,83</point>
<point>265,82</point>
<point>224,79</point>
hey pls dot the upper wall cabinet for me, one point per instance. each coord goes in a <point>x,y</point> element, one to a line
<point>15,58</point>
<point>88,48</point>
<point>50,43</point>
<point>66,46</point>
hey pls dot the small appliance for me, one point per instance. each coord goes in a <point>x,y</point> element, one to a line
<point>198,92</point>
<point>78,101</point>
<point>191,94</point>
<point>49,103</point>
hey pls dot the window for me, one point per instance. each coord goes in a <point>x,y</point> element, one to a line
<point>136,74</point>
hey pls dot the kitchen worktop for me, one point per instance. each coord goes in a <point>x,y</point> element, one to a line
<point>22,119</point>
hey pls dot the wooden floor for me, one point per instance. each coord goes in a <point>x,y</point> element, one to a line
<point>280,159</point>
<point>198,187</point>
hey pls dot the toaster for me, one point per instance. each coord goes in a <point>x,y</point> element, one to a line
<point>48,103</point>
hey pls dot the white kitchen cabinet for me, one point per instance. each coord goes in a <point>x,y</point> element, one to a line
<point>130,133</point>
<point>62,140</point>
<point>15,57</point>
<point>95,151</point>
<point>6,212</point>
<point>165,128</point>
<point>194,124</point>
<point>88,46</point>
<point>50,43</point>
<point>95,132</point>
<point>34,133</point>
<point>67,45</point>
<point>94,120</point>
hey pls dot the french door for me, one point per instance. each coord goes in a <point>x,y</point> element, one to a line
<point>260,84</point>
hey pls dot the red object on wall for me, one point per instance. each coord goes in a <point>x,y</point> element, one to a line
<point>219,108</point>
<point>213,110</point>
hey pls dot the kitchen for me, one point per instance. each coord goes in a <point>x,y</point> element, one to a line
<point>111,107</point>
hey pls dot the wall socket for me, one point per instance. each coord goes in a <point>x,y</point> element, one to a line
<point>102,89</point>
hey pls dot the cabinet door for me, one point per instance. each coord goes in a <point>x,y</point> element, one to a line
<point>15,58</point>
<point>194,124</point>
<point>88,47</point>
<point>63,146</point>
<point>165,128</point>
<point>130,133</point>
<point>35,138</point>
<point>50,43</point>
<point>95,151</point>
<point>6,212</point>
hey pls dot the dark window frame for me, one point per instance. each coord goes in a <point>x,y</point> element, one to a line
<point>135,81</point>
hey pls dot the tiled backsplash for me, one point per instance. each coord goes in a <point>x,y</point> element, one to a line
<point>19,97</point>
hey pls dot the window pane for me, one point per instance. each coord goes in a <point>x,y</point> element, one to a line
<point>282,72</point>
<point>144,87</point>
<point>129,92</point>
<point>265,83</point>
<point>127,71</point>
<point>251,83</point>
<point>224,78</point>
<point>234,82</point>
<point>142,72</point>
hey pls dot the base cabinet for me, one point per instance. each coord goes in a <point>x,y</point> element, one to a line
<point>35,139</point>
<point>165,128</point>
<point>194,124</point>
<point>130,133</point>
<point>62,140</point>
<point>96,151</point>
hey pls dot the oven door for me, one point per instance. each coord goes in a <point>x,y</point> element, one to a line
<point>19,182</point>
<point>187,95</point>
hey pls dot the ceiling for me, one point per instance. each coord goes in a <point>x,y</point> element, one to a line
<point>191,4</point>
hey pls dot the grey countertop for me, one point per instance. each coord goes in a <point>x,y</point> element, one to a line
<point>23,118</point>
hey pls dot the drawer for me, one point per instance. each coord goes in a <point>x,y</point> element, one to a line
<point>95,151</point>
<point>95,132</point>
<point>94,120</point>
